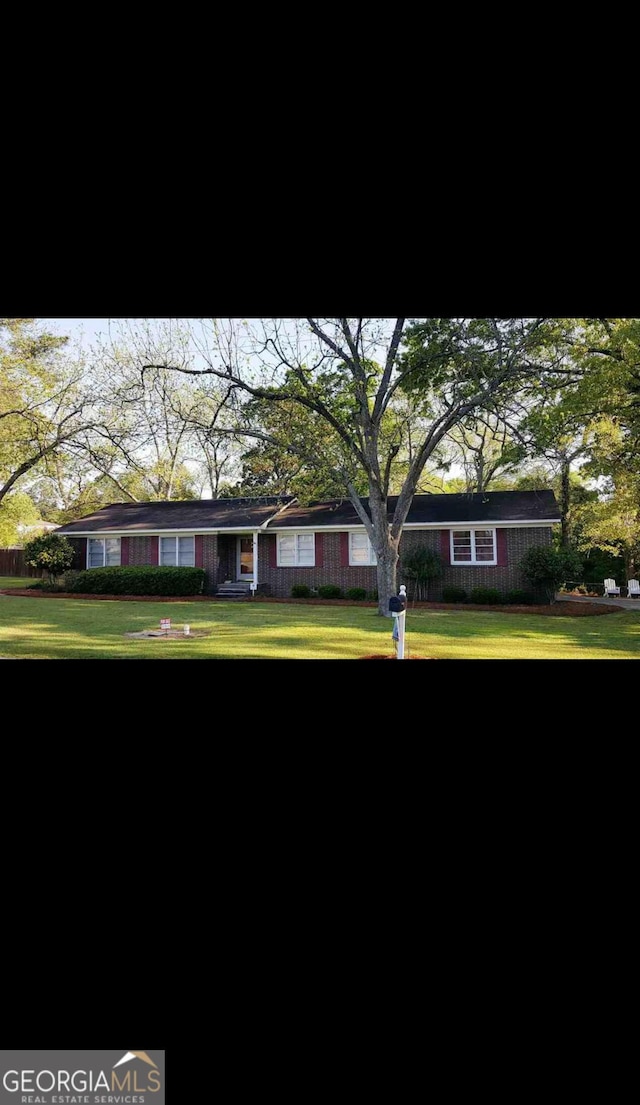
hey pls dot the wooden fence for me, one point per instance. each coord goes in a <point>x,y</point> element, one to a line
<point>12,564</point>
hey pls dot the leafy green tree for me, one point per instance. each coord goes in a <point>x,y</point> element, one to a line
<point>350,374</point>
<point>16,510</point>
<point>50,552</point>
<point>42,404</point>
<point>422,565</point>
<point>547,568</point>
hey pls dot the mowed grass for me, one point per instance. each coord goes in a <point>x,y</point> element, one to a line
<point>15,581</point>
<point>85,629</point>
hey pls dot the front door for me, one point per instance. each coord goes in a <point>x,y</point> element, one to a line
<point>245,559</point>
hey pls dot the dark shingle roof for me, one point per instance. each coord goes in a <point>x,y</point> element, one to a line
<point>203,514</point>
<point>191,515</point>
<point>492,506</point>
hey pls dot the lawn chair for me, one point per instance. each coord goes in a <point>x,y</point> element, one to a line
<point>610,588</point>
<point>633,589</point>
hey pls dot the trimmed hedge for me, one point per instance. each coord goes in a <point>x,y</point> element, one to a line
<point>330,592</point>
<point>356,593</point>
<point>454,594</point>
<point>486,596</point>
<point>300,591</point>
<point>140,581</point>
<point>519,598</point>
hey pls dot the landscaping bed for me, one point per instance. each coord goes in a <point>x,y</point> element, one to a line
<point>557,610</point>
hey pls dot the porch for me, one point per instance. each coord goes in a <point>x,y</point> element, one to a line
<point>238,564</point>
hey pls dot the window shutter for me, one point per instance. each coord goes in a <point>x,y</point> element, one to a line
<point>199,551</point>
<point>273,552</point>
<point>319,550</point>
<point>344,550</point>
<point>503,559</point>
<point>445,546</point>
<point>124,551</point>
<point>153,550</point>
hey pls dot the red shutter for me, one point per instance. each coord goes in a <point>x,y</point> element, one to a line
<point>154,544</point>
<point>199,552</point>
<point>124,551</point>
<point>319,550</point>
<point>344,550</point>
<point>503,559</point>
<point>273,552</point>
<point>445,545</point>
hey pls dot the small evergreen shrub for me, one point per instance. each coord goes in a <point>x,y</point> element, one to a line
<point>373,595</point>
<point>330,591</point>
<point>140,581</point>
<point>70,580</point>
<point>454,594</point>
<point>519,598</point>
<point>486,596</point>
<point>300,591</point>
<point>356,593</point>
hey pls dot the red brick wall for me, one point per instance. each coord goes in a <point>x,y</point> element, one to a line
<point>281,580</point>
<point>139,551</point>
<point>509,578</point>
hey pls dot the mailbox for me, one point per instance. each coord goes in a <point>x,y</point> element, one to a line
<point>396,605</point>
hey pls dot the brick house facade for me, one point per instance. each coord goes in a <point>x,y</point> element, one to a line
<point>320,544</point>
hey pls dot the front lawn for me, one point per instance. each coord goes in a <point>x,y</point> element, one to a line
<point>15,581</point>
<point>73,628</point>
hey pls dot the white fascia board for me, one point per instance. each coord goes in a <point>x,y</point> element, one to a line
<point>418,525</point>
<point>162,532</point>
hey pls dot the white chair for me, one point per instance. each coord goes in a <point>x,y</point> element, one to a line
<point>610,588</point>
<point>633,589</point>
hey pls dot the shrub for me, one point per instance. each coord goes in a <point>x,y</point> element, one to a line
<point>356,593</point>
<point>70,580</point>
<point>373,595</point>
<point>52,553</point>
<point>486,596</point>
<point>454,594</point>
<point>519,598</point>
<point>140,581</point>
<point>330,592</point>
<point>422,565</point>
<point>547,568</point>
<point>300,591</point>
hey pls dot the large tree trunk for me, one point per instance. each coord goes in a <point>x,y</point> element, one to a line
<point>386,552</point>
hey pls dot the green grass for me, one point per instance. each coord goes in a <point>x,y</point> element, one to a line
<point>73,628</point>
<point>15,581</point>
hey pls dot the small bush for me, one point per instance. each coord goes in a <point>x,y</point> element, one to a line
<point>373,595</point>
<point>486,596</point>
<point>454,594</point>
<point>300,591</point>
<point>330,592</point>
<point>140,581</point>
<point>519,598</point>
<point>70,580</point>
<point>356,593</point>
<point>50,552</point>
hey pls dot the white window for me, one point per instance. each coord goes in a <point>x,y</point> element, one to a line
<point>296,550</point>
<point>103,552</point>
<point>473,546</point>
<point>178,552</point>
<point>360,550</point>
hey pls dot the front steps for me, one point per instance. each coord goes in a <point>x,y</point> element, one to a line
<point>239,590</point>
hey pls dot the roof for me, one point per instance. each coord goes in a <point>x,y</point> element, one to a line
<point>194,514</point>
<point>490,506</point>
<point>285,513</point>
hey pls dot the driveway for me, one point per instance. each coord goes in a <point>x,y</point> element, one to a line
<point>626,604</point>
